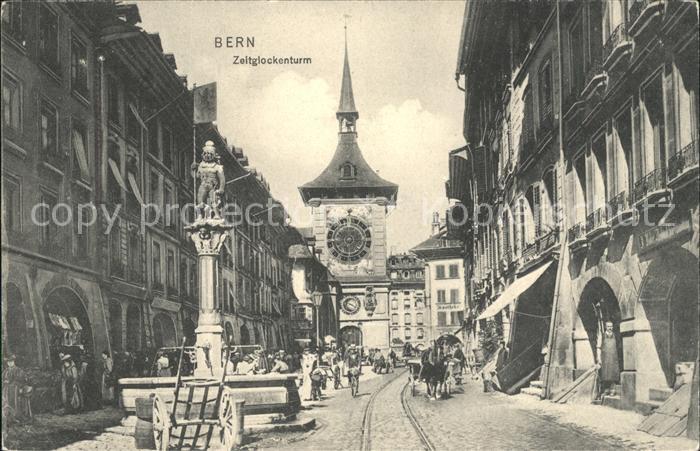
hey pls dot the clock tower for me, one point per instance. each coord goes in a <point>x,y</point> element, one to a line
<point>349,203</point>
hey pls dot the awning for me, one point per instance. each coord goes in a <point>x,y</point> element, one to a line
<point>513,291</point>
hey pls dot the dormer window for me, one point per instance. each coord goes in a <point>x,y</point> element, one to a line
<point>347,171</point>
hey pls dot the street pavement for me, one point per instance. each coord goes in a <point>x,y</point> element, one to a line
<point>378,420</point>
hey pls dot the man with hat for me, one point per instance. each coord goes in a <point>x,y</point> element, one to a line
<point>16,395</point>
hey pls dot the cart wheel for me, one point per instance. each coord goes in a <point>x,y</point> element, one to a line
<point>227,421</point>
<point>161,424</point>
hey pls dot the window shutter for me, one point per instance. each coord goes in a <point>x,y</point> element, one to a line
<point>536,207</point>
<point>669,116</point>
<point>637,145</point>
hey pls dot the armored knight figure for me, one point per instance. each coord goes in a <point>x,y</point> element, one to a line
<point>212,181</point>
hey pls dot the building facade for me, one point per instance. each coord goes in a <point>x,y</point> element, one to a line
<point>410,313</point>
<point>97,121</point>
<point>349,204</point>
<point>583,149</point>
<point>445,287</point>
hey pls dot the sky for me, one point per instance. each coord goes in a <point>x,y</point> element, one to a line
<point>402,58</point>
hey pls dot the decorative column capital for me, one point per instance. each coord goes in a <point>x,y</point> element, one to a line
<point>208,235</point>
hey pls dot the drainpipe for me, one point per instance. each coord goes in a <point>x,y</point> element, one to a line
<point>562,232</point>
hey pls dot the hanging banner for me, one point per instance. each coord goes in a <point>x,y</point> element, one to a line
<point>204,103</point>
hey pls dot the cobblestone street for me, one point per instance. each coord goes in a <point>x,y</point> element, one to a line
<point>468,419</point>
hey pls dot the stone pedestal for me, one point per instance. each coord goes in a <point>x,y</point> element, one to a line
<point>208,236</point>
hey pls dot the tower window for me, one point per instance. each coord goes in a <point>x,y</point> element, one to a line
<point>347,171</point>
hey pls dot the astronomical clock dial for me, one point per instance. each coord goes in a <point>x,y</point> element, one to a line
<point>350,306</point>
<point>349,239</point>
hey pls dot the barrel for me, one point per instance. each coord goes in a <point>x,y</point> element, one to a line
<point>143,433</point>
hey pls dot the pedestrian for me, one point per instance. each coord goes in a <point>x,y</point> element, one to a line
<point>308,365</point>
<point>107,379</point>
<point>71,393</point>
<point>16,394</point>
<point>280,366</point>
<point>86,380</point>
<point>163,366</point>
<point>247,366</point>
<point>609,361</point>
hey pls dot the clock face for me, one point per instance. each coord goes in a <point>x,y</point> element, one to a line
<point>349,239</point>
<point>350,306</point>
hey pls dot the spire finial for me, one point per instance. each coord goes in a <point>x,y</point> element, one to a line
<point>347,113</point>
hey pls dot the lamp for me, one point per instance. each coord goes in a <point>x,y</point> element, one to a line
<point>317,298</point>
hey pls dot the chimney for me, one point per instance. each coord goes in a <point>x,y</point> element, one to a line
<point>436,223</point>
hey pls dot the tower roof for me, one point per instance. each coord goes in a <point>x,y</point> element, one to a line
<point>346,106</point>
<point>335,183</point>
<point>348,175</point>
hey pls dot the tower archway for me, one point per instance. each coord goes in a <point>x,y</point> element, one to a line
<point>351,335</point>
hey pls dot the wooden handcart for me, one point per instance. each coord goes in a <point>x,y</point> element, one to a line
<point>200,408</point>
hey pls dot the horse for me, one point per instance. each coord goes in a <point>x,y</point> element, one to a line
<point>433,372</point>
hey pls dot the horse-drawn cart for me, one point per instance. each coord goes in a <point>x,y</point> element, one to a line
<point>200,409</point>
<point>414,366</point>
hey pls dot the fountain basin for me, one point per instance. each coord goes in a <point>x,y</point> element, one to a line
<point>269,398</point>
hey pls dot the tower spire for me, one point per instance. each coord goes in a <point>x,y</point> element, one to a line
<point>347,112</point>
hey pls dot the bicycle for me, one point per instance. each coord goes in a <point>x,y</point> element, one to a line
<point>354,375</point>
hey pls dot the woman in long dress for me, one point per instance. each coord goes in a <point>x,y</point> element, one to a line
<point>71,393</point>
<point>15,394</point>
<point>107,368</point>
<point>308,365</point>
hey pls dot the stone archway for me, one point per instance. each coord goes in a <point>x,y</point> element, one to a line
<point>597,306</point>
<point>351,335</point>
<point>164,331</point>
<point>245,335</point>
<point>68,325</point>
<point>669,297</point>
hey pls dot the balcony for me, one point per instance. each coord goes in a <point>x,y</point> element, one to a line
<point>620,211</point>
<point>618,48</point>
<point>577,237</point>
<point>683,166</point>
<point>651,189</point>
<point>540,248</point>
<point>595,80</point>
<point>597,224</point>
<point>644,13</point>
